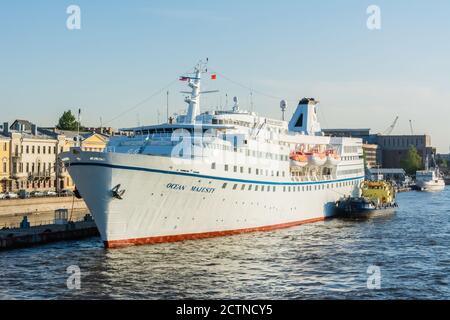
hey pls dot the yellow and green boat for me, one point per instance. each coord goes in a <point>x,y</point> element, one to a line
<point>376,197</point>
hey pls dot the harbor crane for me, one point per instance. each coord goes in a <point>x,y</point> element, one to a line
<point>389,130</point>
<point>411,127</point>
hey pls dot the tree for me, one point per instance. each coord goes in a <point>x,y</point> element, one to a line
<point>67,121</point>
<point>412,161</point>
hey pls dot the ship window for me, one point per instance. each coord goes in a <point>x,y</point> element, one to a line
<point>235,186</point>
<point>249,170</point>
<point>249,187</point>
<point>282,173</point>
<point>303,188</point>
<point>234,168</point>
<point>278,173</point>
<point>242,169</point>
<point>257,171</point>
<point>224,185</point>
<point>213,165</point>
<point>243,187</point>
<point>226,167</point>
<point>284,188</point>
<point>267,172</point>
<point>262,188</point>
<point>256,188</point>
<point>289,189</point>
<point>273,188</point>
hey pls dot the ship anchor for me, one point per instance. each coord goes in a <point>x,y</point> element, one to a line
<point>117,193</point>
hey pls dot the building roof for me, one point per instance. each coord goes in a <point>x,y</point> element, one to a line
<point>387,171</point>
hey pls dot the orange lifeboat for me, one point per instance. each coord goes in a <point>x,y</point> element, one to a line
<point>333,159</point>
<point>316,158</point>
<point>298,159</point>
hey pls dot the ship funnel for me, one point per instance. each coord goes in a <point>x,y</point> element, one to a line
<point>305,118</point>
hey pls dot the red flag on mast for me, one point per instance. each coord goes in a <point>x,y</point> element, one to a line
<point>213,76</point>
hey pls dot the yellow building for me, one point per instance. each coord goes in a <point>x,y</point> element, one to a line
<point>5,156</point>
<point>94,142</point>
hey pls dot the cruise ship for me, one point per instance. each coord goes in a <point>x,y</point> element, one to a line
<point>215,173</point>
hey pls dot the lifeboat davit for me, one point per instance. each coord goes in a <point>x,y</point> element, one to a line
<point>298,159</point>
<point>333,159</point>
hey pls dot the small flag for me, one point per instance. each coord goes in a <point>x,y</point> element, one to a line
<point>184,78</point>
<point>214,77</point>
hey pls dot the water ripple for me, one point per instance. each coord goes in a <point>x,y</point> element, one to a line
<point>326,260</point>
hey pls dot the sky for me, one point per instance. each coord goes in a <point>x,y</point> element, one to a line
<point>127,54</point>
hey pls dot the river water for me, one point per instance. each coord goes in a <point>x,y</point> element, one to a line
<point>408,252</point>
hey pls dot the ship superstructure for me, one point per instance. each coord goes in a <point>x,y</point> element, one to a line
<point>215,173</point>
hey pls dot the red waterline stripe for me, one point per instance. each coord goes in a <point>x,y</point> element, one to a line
<point>203,235</point>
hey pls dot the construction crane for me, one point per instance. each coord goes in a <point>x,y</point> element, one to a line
<point>389,130</point>
<point>411,127</point>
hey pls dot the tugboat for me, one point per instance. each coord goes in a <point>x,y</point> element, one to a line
<point>376,197</point>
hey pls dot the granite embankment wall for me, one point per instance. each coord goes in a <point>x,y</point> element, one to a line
<point>39,205</point>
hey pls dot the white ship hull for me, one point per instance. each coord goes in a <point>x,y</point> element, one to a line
<point>161,204</point>
<point>431,186</point>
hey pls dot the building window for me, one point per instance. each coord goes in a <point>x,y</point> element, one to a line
<point>39,149</point>
<point>32,149</point>
<point>4,166</point>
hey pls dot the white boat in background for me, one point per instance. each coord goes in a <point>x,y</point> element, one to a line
<point>215,173</point>
<point>430,179</point>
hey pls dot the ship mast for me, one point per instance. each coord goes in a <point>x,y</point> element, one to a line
<point>193,100</point>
